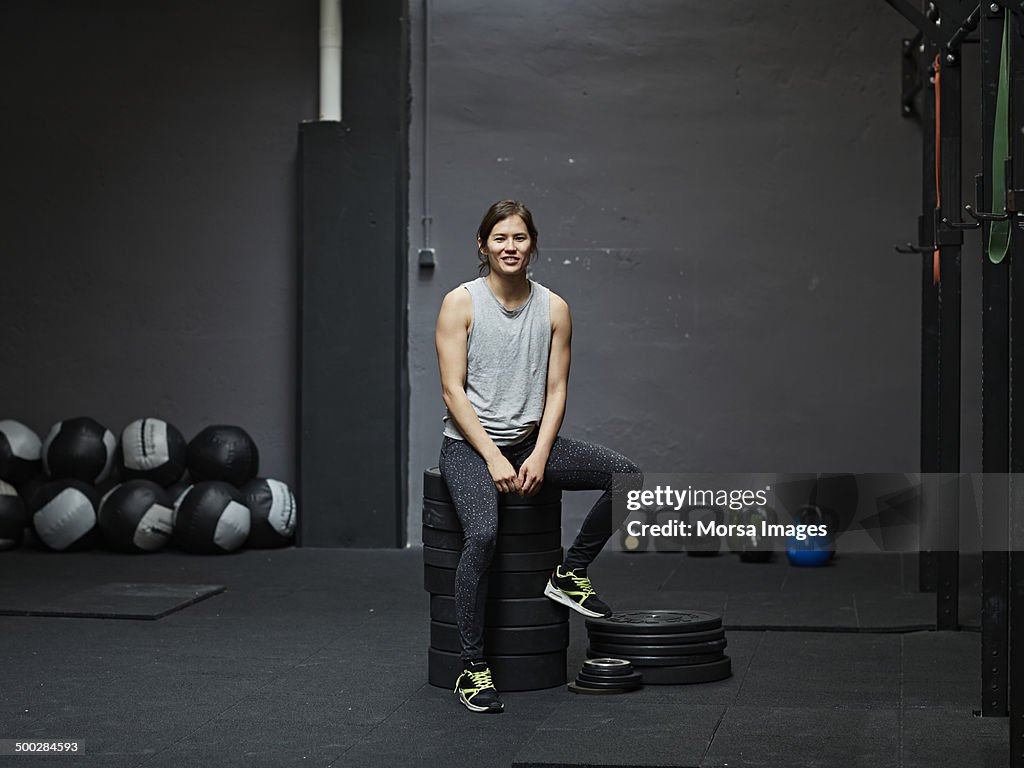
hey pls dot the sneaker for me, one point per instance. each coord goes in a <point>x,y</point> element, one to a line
<point>476,690</point>
<point>572,588</point>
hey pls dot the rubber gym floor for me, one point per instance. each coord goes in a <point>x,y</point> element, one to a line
<point>318,657</point>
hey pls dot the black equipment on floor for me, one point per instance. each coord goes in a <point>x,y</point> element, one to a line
<point>525,634</point>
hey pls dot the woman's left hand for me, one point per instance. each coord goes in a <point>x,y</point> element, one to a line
<point>531,473</point>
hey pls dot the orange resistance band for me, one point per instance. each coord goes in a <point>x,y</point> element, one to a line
<point>938,199</point>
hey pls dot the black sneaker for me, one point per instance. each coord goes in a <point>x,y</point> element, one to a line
<point>476,690</point>
<point>572,588</point>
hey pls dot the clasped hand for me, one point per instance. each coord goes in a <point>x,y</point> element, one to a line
<point>527,482</point>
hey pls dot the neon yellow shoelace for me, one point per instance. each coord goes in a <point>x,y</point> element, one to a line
<point>481,679</point>
<point>583,583</point>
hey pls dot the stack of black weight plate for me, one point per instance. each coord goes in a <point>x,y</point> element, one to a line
<point>668,647</point>
<point>525,634</point>
<point>605,676</point>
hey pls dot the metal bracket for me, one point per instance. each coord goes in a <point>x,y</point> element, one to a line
<point>911,75</point>
<point>1016,7</point>
<point>945,235</point>
<point>930,26</point>
<point>979,180</point>
<point>1014,198</point>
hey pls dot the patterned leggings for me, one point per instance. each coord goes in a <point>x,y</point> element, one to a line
<point>572,466</point>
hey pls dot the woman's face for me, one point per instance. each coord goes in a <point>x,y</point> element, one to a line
<point>508,247</point>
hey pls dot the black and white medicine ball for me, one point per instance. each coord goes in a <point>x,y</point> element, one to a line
<point>272,505</point>
<point>12,517</point>
<point>176,493</point>
<point>79,449</point>
<point>152,449</point>
<point>136,517</point>
<point>224,453</point>
<point>212,519</point>
<point>63,515</point>
<point>20,452</point>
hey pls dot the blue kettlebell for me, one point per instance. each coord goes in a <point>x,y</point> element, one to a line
<point>813,551</point>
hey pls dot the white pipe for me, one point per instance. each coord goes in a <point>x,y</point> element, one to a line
<point>330,60</point>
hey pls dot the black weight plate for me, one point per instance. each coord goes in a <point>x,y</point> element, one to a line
<point>607,667</point>
<point>434,487</point>
<point>500,562</point>
<point>628,651</point>
<point>633,674</point>
<point>511,612</point>
<point>500,585</point>
<point>505,640</point>
<point>618,638</point>
<point>656,622</point>
<point>511,521</point>
<point>602,691</point>
<point>610,680</point>
<point>697,673</point>
<point>510,673</point>
<point>664,661</point>
<point>442,539</point>
<point>526,542</point>
<point>584,685</point>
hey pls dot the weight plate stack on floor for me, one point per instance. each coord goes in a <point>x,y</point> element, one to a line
<point>525,634</point>
<point>668,647</point>
<point>606,676</point>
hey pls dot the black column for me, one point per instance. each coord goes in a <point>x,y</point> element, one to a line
<point>353,410</point>
<point>995,405</point>
<point>930,411</point>
<point>1016,509</point>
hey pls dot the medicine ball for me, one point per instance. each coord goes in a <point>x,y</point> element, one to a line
<point>272,505</point>
<point>63,515</point>
<point>136,517</point>
<point>20,452</point>
<point>152,449</point>
<point>224,453</point>
<point>79,449</point>
<point>212,519</point>
<point>12,517</point>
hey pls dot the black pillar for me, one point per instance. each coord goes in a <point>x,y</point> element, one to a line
<point>995,405</point>
<point>1015,531</point>
<point>353,410</point>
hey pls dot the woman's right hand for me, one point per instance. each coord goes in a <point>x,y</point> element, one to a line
<point>505,478</point>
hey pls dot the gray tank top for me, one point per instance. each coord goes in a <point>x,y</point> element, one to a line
<point>506,363</point>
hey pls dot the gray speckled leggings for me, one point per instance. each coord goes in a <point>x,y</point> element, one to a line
<point>573,465</point>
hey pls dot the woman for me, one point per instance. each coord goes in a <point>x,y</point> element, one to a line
<point>503,349</point>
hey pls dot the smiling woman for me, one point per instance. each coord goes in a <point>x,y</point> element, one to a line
<point>507,236</point>
<point>503,350</point>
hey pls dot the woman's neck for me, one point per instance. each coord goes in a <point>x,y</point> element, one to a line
<point>511,291</point>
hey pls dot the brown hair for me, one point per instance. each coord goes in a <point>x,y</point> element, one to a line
<point>500,211</point>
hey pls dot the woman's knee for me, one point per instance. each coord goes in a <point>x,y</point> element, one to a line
<point>628,475</point>
<point>480,541</point>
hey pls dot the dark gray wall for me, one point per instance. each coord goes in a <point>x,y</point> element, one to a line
<point>718,188</point>
<point>724,182</point>
<point>148,212</point>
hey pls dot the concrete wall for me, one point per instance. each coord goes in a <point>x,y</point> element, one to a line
<point>718,188</point>
<point>148,212</point>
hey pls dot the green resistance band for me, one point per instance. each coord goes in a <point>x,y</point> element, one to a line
<point>999,231</point>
